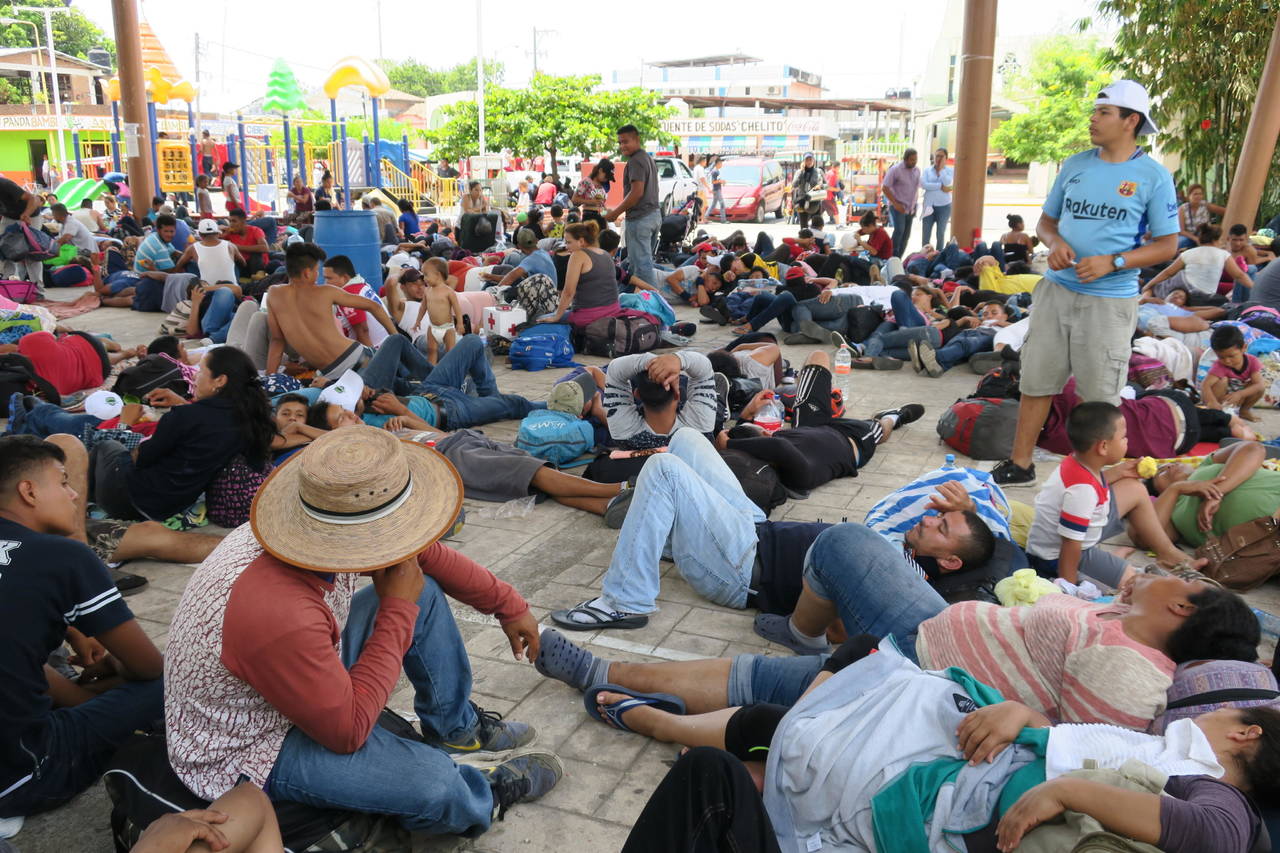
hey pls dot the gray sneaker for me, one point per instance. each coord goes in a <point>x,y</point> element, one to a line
<point>523,779</point>
<point>928,357</point>
<point>616,512</point>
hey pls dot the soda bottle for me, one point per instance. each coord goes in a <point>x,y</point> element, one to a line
<point>769,418</point>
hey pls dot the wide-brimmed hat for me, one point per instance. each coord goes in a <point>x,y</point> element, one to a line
<point>356,499</point>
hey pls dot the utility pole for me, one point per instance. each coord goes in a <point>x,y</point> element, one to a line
<point>379,7</point>
<point>536,52</point>
<point>480,69</point>
<point>133,98</point>
<point>199,115</point>
<point>47,12</point>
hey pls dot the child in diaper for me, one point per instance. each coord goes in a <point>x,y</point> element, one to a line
<point>440,307</point>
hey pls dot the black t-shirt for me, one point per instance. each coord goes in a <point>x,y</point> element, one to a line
<point>780,549</point>
<point>47,583</point>
<point>561,260</point>
<point>11,203</point>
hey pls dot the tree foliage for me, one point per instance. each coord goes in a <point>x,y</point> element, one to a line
<point>1065,75</point>
<point>416,78</point>
<point>1201,63</point>
<point>73,33</point>
<point>553,115</point>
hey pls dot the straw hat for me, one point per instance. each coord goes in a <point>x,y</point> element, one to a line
<point>357,499</point>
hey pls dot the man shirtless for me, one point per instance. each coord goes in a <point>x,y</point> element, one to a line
<point>300,314</point>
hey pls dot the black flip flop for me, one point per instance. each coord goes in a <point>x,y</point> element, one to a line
<point>600,619</point>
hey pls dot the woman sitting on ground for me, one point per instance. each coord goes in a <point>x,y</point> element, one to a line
<point>192,442</point>
<point>1016,242</point>
<point>918,317</point>
<point>1199,270</point>
<point>591,287</point>
<point>1240,490</point>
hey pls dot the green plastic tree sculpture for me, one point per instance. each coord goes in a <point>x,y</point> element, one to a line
<point>283,92</point>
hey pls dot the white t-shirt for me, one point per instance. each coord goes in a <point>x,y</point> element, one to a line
<point>1013,335</point>
<point>84,216</point>
<point>1204,266</point>
<point>216,262</point>
<point>872,294</point>
<point>1073,504</point>
<point>690,273</point>
<point>80,236</point>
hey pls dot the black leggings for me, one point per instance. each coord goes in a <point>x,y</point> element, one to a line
<point>856,270</point>
<point>707,803</point>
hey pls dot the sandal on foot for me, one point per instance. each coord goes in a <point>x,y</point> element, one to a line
<point>597,618</point>
<point>612,714</point>
<point>776,629</point>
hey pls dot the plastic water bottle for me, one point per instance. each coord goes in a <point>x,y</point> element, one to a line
<point>949,462</point>
<point>1269,623</point>
<point>842,366</point>
<point>769,418</point>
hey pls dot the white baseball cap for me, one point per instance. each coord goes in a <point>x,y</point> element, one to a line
<point>1133,96</point>
<point>400,260</point>
<point>345,391</point>
<point>208,226</point>
<point>103,404</point>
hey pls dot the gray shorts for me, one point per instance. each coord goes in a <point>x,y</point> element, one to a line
<point>1073,334</point>
<point>490,471</point>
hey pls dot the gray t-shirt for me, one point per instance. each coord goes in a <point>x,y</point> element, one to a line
<point>640,167</point>
<point>1266,286</point>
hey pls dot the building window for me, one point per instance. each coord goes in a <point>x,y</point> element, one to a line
<point>746,90</point>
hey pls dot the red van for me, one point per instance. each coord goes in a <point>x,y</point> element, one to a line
<point>753,188</point>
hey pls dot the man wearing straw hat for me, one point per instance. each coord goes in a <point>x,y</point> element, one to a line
<point>279,664</point>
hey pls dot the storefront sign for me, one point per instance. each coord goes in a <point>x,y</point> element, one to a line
<point>103,123</point>
<point>752,126</point>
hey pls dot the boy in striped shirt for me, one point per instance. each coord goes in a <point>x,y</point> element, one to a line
<point>1081,505</point>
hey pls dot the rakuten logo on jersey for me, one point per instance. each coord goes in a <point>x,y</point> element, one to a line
<point>1081,209</point>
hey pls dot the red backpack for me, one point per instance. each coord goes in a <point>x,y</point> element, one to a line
<point>980,427</point>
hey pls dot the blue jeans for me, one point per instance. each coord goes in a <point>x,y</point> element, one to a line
<point>417,783</point>
<point>398,365</point>
<point>461,410</point>
<point>77,743</point>
<point>768,306</point>
<point>937,219</point>
<point>891,341</point>
<point>688,504</point>
<point>217,317</point>
<point>642,241</point>
<point>901,229</point>
<point>904,311</point>
<point>875,590</point>
<point>832,315</point>
<point>717,200</point>
<point>966,343</point>
<point>46,419</point>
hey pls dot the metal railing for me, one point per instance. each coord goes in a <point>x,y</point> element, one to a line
<point>442,191</point>
<point>400,184</point>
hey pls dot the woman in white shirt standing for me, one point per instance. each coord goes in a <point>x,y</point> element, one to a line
<point>937,181</point>
<point>1199,270</point>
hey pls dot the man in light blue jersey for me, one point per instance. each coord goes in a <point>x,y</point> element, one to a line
<point>1084,309</point>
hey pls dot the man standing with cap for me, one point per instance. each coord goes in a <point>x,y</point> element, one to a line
<point>281,663</point>
<point>1085,308</point>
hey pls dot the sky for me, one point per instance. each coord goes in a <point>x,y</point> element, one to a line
<point>871,51</point>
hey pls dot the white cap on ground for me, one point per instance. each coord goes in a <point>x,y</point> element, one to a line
<point>103,404</point>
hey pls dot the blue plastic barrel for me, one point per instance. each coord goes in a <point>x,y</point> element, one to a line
<point>353,233</point>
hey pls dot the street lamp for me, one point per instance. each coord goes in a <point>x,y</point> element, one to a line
<point>35,34</point>
<point>47,12</point>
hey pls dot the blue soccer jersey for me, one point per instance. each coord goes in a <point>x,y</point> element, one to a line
<point>1104,209</point>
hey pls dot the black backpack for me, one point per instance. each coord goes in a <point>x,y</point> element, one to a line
<point>1000,383</point>
<point>757,478</point>
<point>862,321</point>
<point>615,336</point>
<point>742,390</point>
<point>18,376</point>
<point>142,788</point>
<point>152,372</point>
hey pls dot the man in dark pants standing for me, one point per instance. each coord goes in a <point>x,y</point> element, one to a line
<point>902,187</point>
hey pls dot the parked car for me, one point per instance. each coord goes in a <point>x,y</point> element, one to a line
<point>753,188</point>
<point>675,182</point>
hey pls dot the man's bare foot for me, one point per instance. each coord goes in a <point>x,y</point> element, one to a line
<point>1248,415</point>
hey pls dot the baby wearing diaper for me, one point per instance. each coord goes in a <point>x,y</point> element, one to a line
<point>440,308</point>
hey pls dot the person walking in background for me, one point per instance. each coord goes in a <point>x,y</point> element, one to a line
<point>208,147</point>
<point>902,187</point>
<point>807,178</point>
<point>937,180</point>
<point>640,204</point>
<point>717,190</point>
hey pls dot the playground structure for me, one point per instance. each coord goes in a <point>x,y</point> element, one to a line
<point>270,149</point>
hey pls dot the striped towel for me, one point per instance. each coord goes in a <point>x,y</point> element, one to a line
<point>902,509</point>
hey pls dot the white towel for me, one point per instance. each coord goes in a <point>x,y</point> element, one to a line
<point>1182,751</point>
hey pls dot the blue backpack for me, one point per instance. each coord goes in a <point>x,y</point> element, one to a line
<point>541,346</point>
<point>557,437</point>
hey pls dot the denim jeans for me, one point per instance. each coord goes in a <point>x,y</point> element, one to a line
<point>46,419</point>
<point>717,200</point>
<point>78,743</point>
<point>688,504</point>
<point>642,241</point>
<point>768,306</point>
<point>217,317</point>
<point>890,340</point>
<point>904,312</point>
<point>966,343</point>
<point>418,783</point>
<point>399,365</point>
<point>875,590</point>
<point>461,410</point>
<point>901,229</point>
<point>832,315</point>
<point>937,219</point>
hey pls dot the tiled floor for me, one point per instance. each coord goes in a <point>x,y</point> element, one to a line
<point>555,556</point>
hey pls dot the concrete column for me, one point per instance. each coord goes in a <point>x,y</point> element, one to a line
<point>973,122</point>
<point>133,99</point>
<point>1259,143</point>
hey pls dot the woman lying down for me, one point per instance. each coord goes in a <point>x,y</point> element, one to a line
<point>881,755</point>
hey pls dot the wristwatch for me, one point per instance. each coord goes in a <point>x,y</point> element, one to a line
<point>1119,262</point>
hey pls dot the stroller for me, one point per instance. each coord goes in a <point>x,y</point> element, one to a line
<point>676,228</point>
